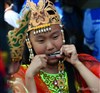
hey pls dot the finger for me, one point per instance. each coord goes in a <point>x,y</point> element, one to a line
<point>44,64</point>
<point>66,49</point>
<point>44,59</point>
<point>44,56</point>
<point>59,56</point>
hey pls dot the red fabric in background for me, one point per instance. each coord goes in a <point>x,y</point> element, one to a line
<point>91,63</point>
<point>2,67</point>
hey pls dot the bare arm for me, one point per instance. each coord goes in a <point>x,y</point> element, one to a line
<point>30,83</point>
<point>38,62</point>
<point>72,57</point>
<point>91,80</point>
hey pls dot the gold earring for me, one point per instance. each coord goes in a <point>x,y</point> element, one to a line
<point>61,79</point>
<point>62,31</point>
<point>29,47</point>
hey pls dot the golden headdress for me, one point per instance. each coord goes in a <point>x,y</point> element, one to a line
<point>38,17</point>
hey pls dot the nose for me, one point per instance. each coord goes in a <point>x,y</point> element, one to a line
<point>49,45</point>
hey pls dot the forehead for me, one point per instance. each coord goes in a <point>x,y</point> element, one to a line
<point>56,27</point>
<point>52,29</point>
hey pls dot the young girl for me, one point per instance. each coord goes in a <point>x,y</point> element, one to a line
<point>55,66</point>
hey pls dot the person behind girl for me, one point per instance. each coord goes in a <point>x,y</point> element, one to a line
<point>10,16</point>
<point>53,65</point>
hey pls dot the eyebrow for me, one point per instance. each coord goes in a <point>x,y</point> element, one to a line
<point>57,32</point>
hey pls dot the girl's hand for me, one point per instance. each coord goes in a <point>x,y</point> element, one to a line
<point>70,53</point>
<point>37,63</point>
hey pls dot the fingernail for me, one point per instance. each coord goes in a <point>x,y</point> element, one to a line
<point>60,53</point>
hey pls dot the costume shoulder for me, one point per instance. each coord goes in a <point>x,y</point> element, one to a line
<point>20,77</point>
<point>21,72</point>
<point>91,63</point>
<point>17,81</point>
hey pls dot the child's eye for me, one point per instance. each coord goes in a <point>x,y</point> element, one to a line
<point>40,40</point>
<point>55,37</point>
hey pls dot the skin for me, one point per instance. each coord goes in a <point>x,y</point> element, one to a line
<point>6,5</point>
<point>50,42</point>
<point>47,43</point>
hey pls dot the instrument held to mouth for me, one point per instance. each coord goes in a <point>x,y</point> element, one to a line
<point>54,54</point>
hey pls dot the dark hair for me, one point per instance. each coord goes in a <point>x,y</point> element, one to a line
<point>25,58</point>
<point>9,2</point>
<point>71,77</point>
<point>53,1</point>
<point>69,38</point>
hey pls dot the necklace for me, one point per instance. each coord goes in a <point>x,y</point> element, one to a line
<point>54,81</point>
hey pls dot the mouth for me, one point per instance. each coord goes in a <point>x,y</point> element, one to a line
<point>55,54</point>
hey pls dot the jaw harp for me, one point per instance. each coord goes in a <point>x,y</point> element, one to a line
<point>54,54</point>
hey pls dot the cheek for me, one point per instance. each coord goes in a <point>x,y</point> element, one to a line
<point>38,49</point>
<point>59,43</point>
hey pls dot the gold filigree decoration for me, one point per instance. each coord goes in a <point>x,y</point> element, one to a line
<point>17,86</point>
<point>34,16</point>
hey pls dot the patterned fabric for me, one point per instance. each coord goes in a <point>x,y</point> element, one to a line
<point>91,63</point>
<point>51,81</point>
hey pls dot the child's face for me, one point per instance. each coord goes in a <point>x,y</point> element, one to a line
<point>49,42</point>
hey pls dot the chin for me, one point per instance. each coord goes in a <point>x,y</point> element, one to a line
<point>53,62</point>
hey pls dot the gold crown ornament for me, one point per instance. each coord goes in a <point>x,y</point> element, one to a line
<point>35,17</point>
